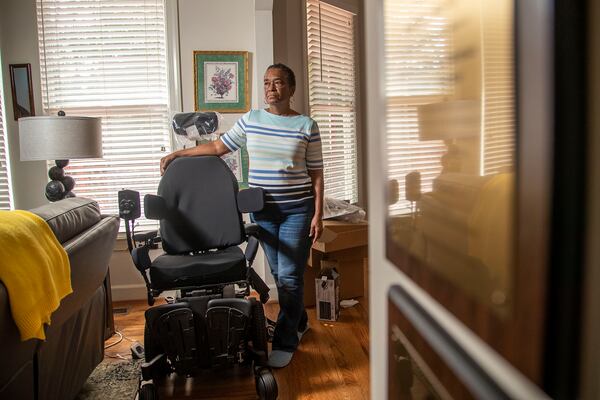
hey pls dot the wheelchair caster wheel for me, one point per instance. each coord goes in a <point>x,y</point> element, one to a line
<point>266,385</point>
<point>148,392</point>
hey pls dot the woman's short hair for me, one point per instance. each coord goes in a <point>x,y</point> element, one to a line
<point>291,78</point>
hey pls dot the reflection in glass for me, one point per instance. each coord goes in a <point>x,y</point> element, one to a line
<point>450,140</point>
<point>410,378</point>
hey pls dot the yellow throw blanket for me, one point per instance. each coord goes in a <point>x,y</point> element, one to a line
<point>35,269</point>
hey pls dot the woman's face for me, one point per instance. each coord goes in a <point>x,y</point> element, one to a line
<point>277,89</point>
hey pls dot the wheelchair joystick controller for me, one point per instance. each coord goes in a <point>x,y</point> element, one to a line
<point>129,210</point>
<point>129,204</point>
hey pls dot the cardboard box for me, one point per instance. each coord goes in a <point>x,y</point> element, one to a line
<point>346,244</point>
<point>327,288</point>
<point>339,235</point>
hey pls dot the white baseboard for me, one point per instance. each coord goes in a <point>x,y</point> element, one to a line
<point>273,296</point>
<point>129,292</point>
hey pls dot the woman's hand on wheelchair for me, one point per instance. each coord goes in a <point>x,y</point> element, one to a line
<point>165,161</point>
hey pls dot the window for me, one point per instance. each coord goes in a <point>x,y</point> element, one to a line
<point>422,66</point>
<point>332,94</point>
<point>5,194</point>
<point>498,87</point>
<point>108,59</point>
<point>418,71</point>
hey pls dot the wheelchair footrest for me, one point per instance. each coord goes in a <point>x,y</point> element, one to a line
<point>177,335</point>
<point>227,322</point>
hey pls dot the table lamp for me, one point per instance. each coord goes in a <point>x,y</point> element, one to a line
<point>60,138</point>
<point>450,121</point>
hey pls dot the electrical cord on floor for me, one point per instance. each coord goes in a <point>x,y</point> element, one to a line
<point>126,337</point>
<point>117,355</point>
<point>115,343</point>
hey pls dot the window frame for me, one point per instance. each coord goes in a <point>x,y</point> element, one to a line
<point>354,7</point>
<point>169,72</point>
<point>6,195</point>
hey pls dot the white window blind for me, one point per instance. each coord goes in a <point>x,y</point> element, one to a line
<point>498,86</point>
<point>107,58</point>
<point>332,94</point>
<point>418,71</point>
<point>5,193</point>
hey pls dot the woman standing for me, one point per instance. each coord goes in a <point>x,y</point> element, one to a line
<point>284,150</point>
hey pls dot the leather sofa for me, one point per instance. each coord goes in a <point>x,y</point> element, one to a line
<point>58,367</point>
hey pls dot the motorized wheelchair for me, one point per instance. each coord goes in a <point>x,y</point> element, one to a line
<point>211,322</point>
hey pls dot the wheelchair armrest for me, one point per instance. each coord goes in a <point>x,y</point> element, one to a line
<point>250,200</point>
<point>141,258</point>
<point>251,230</point>
<point>259,285</point>
<point>155,207</point>
<point>148,239</point>
<point>145,236</point>
<point>251,249</point>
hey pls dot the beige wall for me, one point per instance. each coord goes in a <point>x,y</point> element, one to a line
<point>231,25</point>
<point>18,45</point>
<point>213,25</point>
<point>289,17</point>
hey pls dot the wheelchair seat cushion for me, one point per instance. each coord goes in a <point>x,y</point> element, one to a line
<point>221,266</point>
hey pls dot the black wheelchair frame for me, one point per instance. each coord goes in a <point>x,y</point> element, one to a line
<point>206,326</point>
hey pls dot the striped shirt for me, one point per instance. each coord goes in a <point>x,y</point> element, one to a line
<point>281,151</point>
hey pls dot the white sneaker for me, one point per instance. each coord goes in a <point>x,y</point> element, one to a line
<point>279,358</point>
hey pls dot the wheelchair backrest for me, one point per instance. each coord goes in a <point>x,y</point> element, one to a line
<point>201,198</point>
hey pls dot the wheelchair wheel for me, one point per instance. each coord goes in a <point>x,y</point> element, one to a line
<point>259,331</point>
<point>266,385</point>
<point>151,350</point>
<point>150,299</point>
<point>148,392</point>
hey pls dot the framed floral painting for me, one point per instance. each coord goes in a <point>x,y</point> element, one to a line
<point>238,164</point>
<point>221,81</point>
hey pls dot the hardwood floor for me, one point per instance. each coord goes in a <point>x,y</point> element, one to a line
<point>331,363</point>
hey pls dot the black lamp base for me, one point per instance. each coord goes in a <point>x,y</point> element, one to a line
<point>60,185</point>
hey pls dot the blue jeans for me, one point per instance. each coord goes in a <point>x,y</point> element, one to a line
<point>286,243</point>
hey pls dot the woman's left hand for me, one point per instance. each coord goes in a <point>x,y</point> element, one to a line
<point>316,228</point>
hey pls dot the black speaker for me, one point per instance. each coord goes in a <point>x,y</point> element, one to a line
<point>412,182</point>
<point>129,204</point>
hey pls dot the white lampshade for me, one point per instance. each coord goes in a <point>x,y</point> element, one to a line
<point>60,138</point>
<point>452,119</point>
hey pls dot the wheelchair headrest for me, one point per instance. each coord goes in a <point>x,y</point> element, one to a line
<point>200,209</point>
